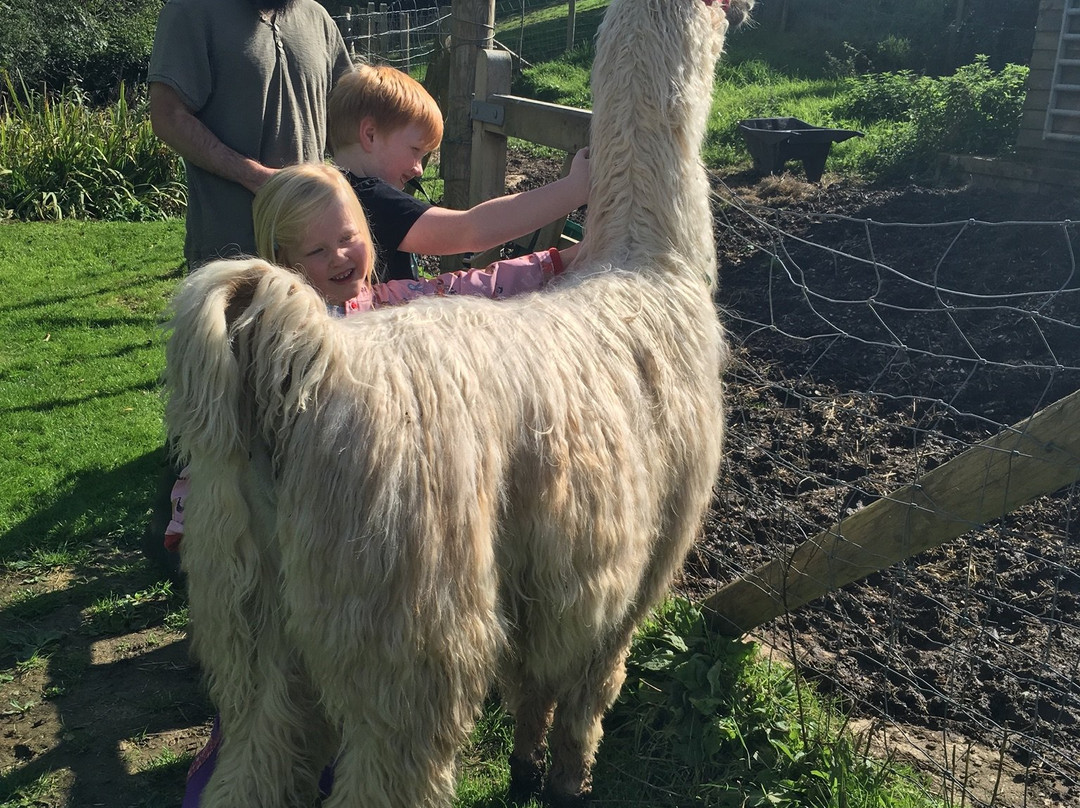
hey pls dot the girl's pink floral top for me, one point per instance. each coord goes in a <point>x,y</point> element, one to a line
<point>501,279</point>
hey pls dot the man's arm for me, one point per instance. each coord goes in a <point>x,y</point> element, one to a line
<point>441,231</point>
<point>178,128</point>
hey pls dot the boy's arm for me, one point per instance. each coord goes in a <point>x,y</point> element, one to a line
<point>441,231</point>
<point>189,137</point>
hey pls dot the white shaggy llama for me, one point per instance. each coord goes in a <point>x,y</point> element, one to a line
<point>387,511</point>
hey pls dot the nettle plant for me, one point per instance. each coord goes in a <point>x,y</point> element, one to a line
<point>724,725</point>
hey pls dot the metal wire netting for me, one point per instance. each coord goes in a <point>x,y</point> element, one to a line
<point>934,35</point>
<point>869,352</point>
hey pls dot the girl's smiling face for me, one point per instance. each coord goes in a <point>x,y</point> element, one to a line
<point>333,254</point>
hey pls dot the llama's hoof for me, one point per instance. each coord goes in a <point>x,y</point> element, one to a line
<point>555,800</point>
<point>526,779</point>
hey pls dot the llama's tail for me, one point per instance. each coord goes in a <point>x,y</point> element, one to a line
<point>234,324</point>
<point>237,327</point>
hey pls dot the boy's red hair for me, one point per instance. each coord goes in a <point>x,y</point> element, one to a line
<point>393,99</point>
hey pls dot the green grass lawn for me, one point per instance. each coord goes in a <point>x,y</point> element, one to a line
<point>81,353</point>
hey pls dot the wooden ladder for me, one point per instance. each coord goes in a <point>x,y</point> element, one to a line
<point>1063,111</point>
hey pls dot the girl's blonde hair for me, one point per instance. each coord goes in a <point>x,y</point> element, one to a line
<point>390,97</point>
<point>287,204</point>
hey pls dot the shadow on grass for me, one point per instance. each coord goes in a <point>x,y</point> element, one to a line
<point>92,507</point>
<point>107,695</point>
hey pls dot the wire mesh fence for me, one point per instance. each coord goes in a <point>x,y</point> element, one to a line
<point>934,35</point>
<point>408,34</point>
<point>872,350</point>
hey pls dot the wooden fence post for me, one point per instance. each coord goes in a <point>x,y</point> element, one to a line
<point>571,24</point>
<point>487,180</point>
<point>471,31</point>
<point>346,27</point>
<point>372,41</point>
<point>384,30</point>
<point>1035,457</point>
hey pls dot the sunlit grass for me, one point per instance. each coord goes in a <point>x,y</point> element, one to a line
<point>81,353</point>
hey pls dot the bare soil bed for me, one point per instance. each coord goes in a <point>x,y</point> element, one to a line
<point>971,652</point>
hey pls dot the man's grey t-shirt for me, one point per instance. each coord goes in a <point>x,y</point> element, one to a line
<point>259,86</point>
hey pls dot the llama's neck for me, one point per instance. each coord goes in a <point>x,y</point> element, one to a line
<point>652,91</point>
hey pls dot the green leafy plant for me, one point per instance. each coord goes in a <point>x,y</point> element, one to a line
<point>976,110</point>
<point>62,158</point>
<point>734,728</point>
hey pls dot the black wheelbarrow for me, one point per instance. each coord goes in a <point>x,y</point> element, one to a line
<point>773,141</point>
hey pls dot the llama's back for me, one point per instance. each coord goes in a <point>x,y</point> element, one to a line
<point>592,467</point>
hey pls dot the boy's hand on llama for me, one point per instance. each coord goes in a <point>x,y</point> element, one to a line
<point>579,173</point>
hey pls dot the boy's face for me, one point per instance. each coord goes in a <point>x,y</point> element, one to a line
<point>332,255</point>
<point>397,155</point>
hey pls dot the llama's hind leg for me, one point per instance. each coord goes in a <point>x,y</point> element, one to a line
<point>576,727</point>
<point>532,706</point>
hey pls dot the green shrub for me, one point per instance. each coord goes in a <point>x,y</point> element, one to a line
<point>61,158</point>
<point>880,97</point>
<point>93,44</point>
<point>974,111</point>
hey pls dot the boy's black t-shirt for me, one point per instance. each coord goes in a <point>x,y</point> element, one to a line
<point>391,214</point>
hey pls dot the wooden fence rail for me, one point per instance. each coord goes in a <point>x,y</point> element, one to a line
<point>1037,456</point>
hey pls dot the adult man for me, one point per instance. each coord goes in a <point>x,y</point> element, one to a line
<point>238,88</point>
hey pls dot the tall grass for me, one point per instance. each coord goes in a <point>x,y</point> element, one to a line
<point>62,158</point>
